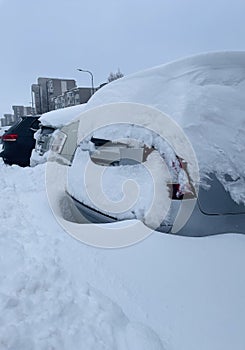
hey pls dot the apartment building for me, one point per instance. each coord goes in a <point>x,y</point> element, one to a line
<point>46,89</point>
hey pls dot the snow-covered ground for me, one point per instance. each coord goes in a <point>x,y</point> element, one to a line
<point>50,294</point>
<point>166,292</point>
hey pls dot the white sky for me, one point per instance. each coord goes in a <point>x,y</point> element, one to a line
<point>54,37</point>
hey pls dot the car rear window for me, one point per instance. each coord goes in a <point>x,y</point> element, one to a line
<point>23,125</point>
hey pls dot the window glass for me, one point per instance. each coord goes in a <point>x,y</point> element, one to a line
<point>216,200</point>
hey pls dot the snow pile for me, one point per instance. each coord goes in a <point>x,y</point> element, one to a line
<point>204,94</point>
<point>189,291</point>
<point>36,158</point>
<point>42,309</point>
<point>42,305</point>
<point>60,117</point>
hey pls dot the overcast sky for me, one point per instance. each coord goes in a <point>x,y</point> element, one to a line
<point>51,38</point>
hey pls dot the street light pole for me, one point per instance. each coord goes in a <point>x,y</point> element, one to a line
<point>92,78</point>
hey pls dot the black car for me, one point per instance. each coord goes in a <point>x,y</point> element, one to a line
<point>18,141</point>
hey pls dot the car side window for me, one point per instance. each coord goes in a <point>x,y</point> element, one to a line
<point>216,200</point>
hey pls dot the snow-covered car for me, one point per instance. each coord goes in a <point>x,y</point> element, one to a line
<point>204,95</point>
<point>50,122</point>
<point>155,167</point>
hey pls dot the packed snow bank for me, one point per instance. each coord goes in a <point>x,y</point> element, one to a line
<point>204,94</point>
<point>37,159</point>
<point>60,117</point>
<point>189,291</point>
<point>53,288</point>
<point>43,306</point>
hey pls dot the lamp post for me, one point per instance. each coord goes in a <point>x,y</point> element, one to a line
<point>92,78</point>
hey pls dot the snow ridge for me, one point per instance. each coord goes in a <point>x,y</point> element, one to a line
<point>204,94</point>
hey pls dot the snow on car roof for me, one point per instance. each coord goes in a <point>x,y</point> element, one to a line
<point>204,94</point>
<point>60,117</point>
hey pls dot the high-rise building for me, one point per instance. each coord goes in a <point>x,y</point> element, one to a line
<point>21,111</point>
<point>46,89</point>
<point>72,97</point>
<point>8,119</point>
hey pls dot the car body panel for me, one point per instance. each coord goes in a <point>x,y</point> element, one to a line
<point>198,225</point>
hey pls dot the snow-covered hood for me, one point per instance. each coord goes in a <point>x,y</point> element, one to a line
<point>60,117</point>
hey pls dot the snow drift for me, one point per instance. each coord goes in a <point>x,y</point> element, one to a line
<point>204,94</point>
<point>57,293</point>
<point>62,116</point>
<point>43,306</point>
<point>189,291</point>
